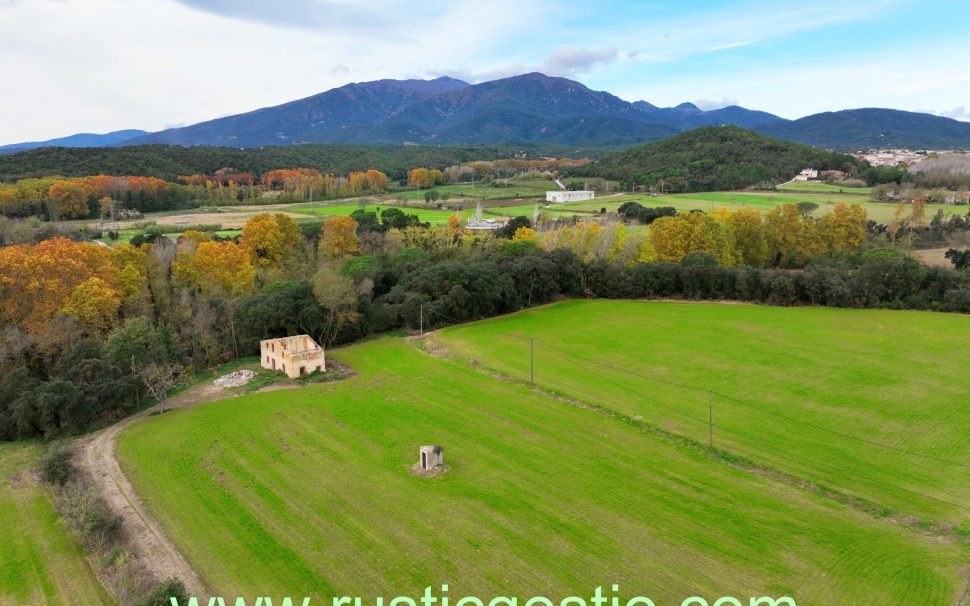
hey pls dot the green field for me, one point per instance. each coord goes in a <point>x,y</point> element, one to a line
<point>309,492</point>
<point>818,186</point>
<point>763,201</point>
<point>528,189</point>
<point>434,216</point>
<point>812,392</point>
<point>40,563</point>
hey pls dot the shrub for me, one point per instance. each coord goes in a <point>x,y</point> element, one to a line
<point>164,593</point>
<point>56,466</point>
<point>88,515</point>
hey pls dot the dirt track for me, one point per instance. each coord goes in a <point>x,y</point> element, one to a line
<point>96,454</point>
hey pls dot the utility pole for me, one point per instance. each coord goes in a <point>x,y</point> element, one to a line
<point>532,360</point>
<point>422,320</point>
<point>710,423</point>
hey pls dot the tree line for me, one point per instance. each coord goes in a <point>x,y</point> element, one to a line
<point>169,161</point>
<point>119,197</point>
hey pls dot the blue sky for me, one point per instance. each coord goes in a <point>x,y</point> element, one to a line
<point>100,65</point>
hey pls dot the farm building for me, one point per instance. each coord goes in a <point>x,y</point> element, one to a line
<point>485,224</point>
<point>806,174</point>
<point>295,356</point>
<point>569,196</point>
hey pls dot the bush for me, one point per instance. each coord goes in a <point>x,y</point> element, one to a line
<point>88,515</point>
<point>163,593</point>
<point>957,300</point>
<point>699,259</point>
<point>56,467</point>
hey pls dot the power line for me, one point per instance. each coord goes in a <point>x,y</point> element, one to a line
<point>840,473</point>
<point>761,409</point>
<point>837,472</point>
<point>725,397</point>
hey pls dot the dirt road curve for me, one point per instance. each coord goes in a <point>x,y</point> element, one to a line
<point>96,454</point>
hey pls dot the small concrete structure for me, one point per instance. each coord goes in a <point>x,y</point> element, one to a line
<point>295,356</point>
<point>807,174</point>
<point>431,457</point>
<point>569,196</point>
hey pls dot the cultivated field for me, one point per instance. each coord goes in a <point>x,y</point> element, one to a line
<point>869,403</point>
<point>817,186</point>
<point>309,492</point>
<point>40,563</point>
<point>763,201</point>
<point>426,214</point>
<point>529,189</point>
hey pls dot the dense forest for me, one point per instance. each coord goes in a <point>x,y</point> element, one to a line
<point>717,158</point>
<point>169,161</point>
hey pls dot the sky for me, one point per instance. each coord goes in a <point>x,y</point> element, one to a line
<point>100,65</point>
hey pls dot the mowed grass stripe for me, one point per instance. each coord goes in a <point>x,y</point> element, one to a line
<point>795,383</point>
<point>309,492</point>
<point>40,563</point>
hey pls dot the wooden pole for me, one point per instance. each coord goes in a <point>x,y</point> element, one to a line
<point>710,423</point>
<point>532,360</point>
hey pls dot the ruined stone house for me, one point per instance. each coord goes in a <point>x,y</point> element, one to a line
<point>295,356</point>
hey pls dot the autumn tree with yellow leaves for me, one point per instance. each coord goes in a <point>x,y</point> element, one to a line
<point>672,238</point>
<point>270,238</point>
<point>338,238</point>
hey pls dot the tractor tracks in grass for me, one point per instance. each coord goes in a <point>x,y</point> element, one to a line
<point>430,346</point>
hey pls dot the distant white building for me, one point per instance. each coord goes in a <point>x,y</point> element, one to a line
<point>485,224</point>
<point>569,196</point>
<point>806,174</point>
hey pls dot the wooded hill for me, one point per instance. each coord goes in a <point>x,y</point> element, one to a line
<point>169,161</point>
<point>717,158</point>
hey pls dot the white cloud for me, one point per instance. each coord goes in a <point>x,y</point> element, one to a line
<point>103,65</point>
<point>299,14</point>
<point>957,113</point>
<point>572,60</point>
<point>709,104</point>
<point>567,61</point>
<point>731,45</point>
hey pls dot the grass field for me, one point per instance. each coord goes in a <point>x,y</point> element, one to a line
<point>528,189</point>
<point>40,563</point>
<point>808,391</point>
<point>429,215</point>
<point>818,186</point>
<point>309,492</point>
<point>763,201</point>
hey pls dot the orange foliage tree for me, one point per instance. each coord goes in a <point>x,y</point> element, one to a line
<point>424,178</point>
<point>37,281</point>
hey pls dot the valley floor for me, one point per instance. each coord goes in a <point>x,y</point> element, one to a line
<point>309,492</point>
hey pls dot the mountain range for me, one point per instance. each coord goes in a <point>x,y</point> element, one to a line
<point>78,140</point>
<point>527,108</point>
